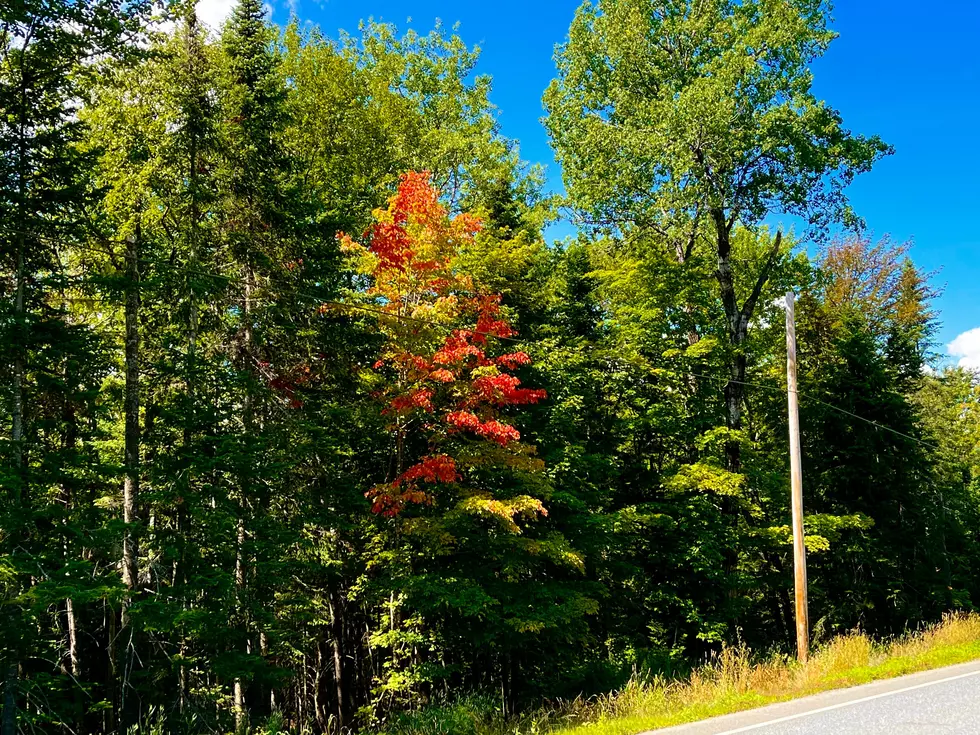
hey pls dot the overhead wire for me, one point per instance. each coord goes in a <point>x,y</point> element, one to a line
<point>809,397</point>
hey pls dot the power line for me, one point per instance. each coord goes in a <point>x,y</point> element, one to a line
<point>809,397</point>
<point>844,411</point>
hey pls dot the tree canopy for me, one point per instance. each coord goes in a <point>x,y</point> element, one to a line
<point>305,426</point>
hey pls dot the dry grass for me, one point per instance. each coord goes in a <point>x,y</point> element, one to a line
<point>734,681</point>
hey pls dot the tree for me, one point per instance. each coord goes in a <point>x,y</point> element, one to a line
<point>865,329</point>
<point>410,257</point>
<point>880,282</point>
<point>45,50</point>
<point>690,119</point>
<point>260,474</point>
<point>120,122</point>
<point>459,479</point>
<point>263,218</point>
<point>378,103</point>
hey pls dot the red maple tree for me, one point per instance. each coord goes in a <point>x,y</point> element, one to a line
<point>445,378</point>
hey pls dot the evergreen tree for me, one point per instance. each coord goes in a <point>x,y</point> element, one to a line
<point>252,481</point>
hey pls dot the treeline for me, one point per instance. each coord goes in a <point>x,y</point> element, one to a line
<point>305,425</point>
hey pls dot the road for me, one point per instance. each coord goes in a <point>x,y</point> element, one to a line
<point>939,702</point>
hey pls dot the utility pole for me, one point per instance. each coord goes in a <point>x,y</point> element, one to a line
<point>796,485</point>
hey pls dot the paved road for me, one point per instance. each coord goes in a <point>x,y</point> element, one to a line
<point>939,702</point>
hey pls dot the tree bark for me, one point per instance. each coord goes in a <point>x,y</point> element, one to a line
<point>10,700</point>
<point>737,363</point>
<point>132,464</point>
<point>337,633</point>
<point>11,674</point>
<point>74,655</point>
<point>248,425</point>
<point>192,225</point>
<point>131,482</point>
<point>737,319</point>
<point>17,412</point>
<point>239,689</point>
<point>69,440</point>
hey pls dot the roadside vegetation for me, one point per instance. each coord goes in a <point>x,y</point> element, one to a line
<point>733,681</point>
<point>307,425</point>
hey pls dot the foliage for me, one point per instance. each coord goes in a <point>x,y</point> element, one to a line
<point>306,426</point>
<point>663,110</point>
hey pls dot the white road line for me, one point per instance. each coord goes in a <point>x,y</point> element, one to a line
<point>797,716</point>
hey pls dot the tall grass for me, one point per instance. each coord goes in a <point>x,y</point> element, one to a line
<point>734,680</point>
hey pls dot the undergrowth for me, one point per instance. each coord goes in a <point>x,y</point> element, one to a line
<point>734,680</point>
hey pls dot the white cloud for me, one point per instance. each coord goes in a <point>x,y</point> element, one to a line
<point>214,12</point>
<point>966,347</point>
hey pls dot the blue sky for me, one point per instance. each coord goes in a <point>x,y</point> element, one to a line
<point>906,71</point>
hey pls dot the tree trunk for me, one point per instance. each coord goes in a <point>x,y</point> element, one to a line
<point>682,253</point>
<point>131,480</point>
<point>337,632</point>
<point>69,440</point>
<point>110,714</point>
<point>10,700</point>
<point>190,422</point>
<point>734,395</point>
<point>736,333</point>
<point>248,425</point>
<point>737,318</point>
<point>733,388</point>
<point>17,413</point>
<point>239,689</point>
<point>74,655</point>
<point>11,675</point>
<point>319,710</point>
<point>264,650</point>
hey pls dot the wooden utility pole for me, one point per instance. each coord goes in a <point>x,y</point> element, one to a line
<point>796,486</point>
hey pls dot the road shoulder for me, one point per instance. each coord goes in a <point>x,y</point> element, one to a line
<point>748,720</point>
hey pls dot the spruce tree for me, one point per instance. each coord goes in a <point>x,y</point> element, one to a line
<point>262,220</point>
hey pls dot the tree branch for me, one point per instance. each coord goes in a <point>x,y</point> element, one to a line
<point>749,306</point>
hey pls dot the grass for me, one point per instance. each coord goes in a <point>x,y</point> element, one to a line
<point>734,681</point>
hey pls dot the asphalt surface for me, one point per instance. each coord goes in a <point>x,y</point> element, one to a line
<point>941,702</point>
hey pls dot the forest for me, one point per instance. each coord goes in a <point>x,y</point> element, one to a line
<point>305,421</point>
